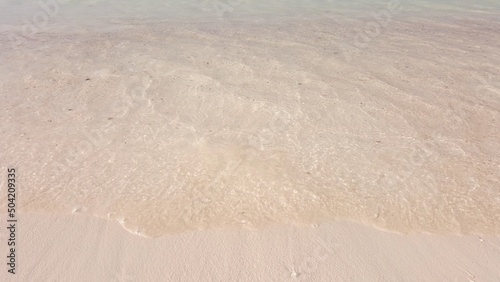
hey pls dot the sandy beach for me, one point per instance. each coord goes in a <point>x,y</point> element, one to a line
<point>82,248</point>
<point>266,142</point>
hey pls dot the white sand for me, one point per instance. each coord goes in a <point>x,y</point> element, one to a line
<point>80,248</point>
<point>201,127</point>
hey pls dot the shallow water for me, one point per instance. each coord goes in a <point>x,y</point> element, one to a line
<point>177,117</point>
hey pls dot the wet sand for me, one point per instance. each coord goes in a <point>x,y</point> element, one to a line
<point>220,125</point>
<point>237,149</point>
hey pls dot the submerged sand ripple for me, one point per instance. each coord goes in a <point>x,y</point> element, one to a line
<point>170,127</point>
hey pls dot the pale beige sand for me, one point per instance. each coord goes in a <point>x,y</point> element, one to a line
<point>80,248</point>
<point>173,127</point>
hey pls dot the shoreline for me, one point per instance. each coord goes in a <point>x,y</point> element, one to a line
<point>316,147</point>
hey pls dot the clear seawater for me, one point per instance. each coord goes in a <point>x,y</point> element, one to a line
<point>177,115</point>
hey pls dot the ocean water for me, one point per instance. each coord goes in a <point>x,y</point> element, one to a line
<point>171,116</point>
